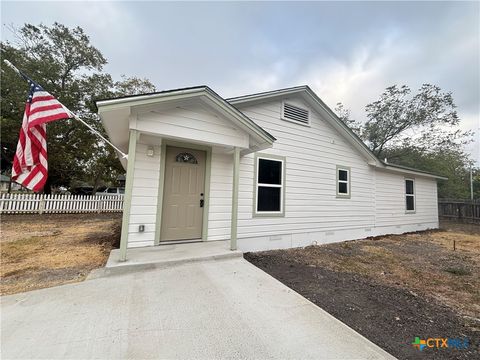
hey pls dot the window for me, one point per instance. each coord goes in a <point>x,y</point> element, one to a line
<point>343,182</point>
<point>186,158</point>
<point>410,195</point>
<point>295,114</point>
<point>269,185</point>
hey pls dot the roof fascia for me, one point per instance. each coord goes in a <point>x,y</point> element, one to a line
<point>411,171</point>
<point>266,95</point>
<point>112,104</point>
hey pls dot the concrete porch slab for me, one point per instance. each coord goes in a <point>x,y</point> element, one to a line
<point>152,257</point>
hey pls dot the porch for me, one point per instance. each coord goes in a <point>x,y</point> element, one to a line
<point>170,139</point>
<point>144,258</point>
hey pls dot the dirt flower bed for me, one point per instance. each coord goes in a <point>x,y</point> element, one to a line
<point>39,251</point>
<point>392,289</point>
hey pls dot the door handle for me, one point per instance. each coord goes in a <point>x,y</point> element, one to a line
<point>201,202</point>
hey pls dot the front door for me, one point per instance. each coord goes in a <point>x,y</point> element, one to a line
<point>184,187</point>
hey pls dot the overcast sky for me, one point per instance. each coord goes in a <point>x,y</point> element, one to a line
<point>346,51</point>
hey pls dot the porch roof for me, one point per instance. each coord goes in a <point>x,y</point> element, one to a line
<point>116,113</point>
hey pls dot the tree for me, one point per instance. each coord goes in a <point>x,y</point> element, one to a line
<point>68,66</point>
<point>344,114</point>
<point>423,121</point>
<point>419,131</point>
<point>133,86</point>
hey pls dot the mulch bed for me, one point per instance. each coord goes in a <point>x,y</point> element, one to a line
<point>389,316</point>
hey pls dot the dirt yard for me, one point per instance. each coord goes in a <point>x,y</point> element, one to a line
<point>39,251</point>
<point>393,288</point>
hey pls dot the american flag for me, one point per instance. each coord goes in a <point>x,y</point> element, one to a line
<point>30,166</point>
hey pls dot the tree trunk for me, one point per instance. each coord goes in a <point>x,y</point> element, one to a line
<point>48,187</point>
<point>95,185</point>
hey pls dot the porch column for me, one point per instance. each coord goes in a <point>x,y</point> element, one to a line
<point>127,199</point>
<point>236,172</point>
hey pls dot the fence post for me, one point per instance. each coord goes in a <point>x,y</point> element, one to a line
<point>99,204</point>
<point>41,207</point>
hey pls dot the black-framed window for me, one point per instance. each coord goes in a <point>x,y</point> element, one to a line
<point>409,195</point>
<point>269,186</point>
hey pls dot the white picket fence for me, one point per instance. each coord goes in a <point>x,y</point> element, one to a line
<point>61,204</point>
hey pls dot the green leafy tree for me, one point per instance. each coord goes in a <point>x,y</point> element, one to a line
<point>344,114</point>
<point>419,130</point>
<point>67,65</point>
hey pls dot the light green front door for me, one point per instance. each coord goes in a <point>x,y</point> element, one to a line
<point>183,196</point>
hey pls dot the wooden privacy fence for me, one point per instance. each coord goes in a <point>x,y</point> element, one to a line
<point>51,204</point>
<point>463,210</point>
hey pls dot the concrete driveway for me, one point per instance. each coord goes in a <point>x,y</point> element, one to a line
<point>204,310</point>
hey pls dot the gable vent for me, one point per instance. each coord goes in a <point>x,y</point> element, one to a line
<point>295,113</point>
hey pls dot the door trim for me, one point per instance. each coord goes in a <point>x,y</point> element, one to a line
<point>161,184</point>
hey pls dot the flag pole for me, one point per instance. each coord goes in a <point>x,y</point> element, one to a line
<point>75,116</point>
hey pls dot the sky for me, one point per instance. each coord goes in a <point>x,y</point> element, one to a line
<point>346,52</point>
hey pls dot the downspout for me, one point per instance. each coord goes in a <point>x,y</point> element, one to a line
<point>127,200</point>
<point>236,172</point>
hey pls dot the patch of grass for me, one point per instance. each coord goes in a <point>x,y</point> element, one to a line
<point>42,251</point>
<point>459,271</point>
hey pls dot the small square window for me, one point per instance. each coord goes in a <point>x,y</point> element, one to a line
<point>343,188</point>
<point>343,175</point>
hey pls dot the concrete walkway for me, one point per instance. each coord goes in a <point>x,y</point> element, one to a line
<point>214,309</point>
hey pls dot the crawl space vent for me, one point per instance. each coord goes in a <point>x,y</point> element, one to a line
<point>295,113</point>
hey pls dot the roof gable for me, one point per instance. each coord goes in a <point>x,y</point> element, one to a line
<point>318,105</point>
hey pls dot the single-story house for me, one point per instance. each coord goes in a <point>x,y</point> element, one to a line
<point>270,170</point>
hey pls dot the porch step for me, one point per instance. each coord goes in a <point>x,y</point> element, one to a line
<point>153,257</point>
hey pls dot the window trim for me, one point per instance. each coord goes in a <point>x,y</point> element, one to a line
<point>293,121</point>
<point>282,187</point>
<point>414,195</point>
<point>348,182</point>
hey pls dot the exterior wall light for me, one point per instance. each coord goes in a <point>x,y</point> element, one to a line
<point>150,151</point>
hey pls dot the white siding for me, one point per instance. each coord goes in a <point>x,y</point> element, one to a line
<point>220,207</point>
<point>191,123</point>
<point>313,213</point>
<point>390,201</point>
<point>312,154</point>
<point>144,197</point>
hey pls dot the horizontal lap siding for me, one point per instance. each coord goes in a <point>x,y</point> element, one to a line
<point>143,210</point>
<point>390,200</point>
<point>312,154</point>
<point>191,123</point>
<point>220,207</point>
